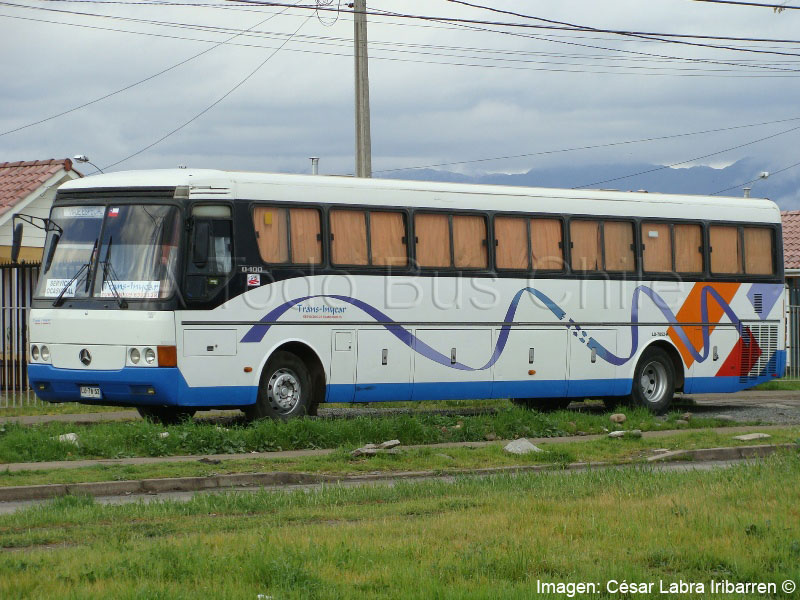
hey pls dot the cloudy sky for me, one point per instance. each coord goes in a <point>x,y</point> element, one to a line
<point>441,91</point>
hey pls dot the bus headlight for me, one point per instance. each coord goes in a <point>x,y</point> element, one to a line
<point>45,353</point>
<point>149,356</point>
<point>135,356</point>
<point>35,352</point>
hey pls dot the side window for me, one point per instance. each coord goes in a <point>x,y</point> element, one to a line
<point>585,243</point>
<point>211,241</point>
<point>432,233</point>
<point>511,237</point>
<point>348,237</point>
<point>469,242</point>
<point>618,239</point>
<point>546,245</point>
<point>211,253</point>
<point>688,248</point>
<point>656,247</point>
<point>306,236</point>
<point>272,224</point>
<point>388,238</point>
<point>758,251</point>
<point>726,252</point>
<point>271,231</point>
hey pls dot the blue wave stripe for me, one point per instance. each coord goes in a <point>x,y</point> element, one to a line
<point>257,332</point>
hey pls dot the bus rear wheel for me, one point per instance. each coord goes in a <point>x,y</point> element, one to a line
<point>165,415</point>
<point>285,391</point>
<point>542,404</point>
<point>654,381</point>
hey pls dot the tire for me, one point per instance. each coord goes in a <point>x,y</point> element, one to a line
<point>654,381</point>
<point>285,391</point>
<point>165,415</point>
<point>542,404</point>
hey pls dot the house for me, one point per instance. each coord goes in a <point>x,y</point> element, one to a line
<point>791,253</point>
<point>29,187</point>
<point>791,266</point>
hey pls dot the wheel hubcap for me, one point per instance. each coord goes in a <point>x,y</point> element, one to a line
<point>653,381</point>
<point>283,390</point>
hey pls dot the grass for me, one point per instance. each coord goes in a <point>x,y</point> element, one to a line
<point>784,385</point>
<point>9,409</point>
<point>20,406</point>
<point>20,443</point>
<point>339,462</point>
<point>475,538</point>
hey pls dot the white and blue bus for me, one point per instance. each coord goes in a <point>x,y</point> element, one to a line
<point>180,290</point>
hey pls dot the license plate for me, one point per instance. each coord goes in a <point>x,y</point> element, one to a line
<point>91,391</point>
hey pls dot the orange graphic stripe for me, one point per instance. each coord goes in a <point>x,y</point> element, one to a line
<point>690,313</point>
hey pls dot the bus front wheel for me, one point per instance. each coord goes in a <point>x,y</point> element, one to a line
<point>285,391</point>
<point>654,381</point>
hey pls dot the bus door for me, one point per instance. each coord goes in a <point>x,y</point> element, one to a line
<point>383,370</point>
<point>448,363</point>
<point>589,374</point>
<point>533,364</point>
<point>342,378</point>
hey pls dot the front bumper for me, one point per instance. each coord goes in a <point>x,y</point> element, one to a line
<point>132,386</point>
<point>128,386</point>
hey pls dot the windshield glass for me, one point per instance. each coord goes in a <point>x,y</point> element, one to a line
<point>136,258</point>
<point>81,229</point>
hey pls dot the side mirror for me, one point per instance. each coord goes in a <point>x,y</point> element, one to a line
<point>200,243</point>
<point>16,242</point>
<point>51,250</point>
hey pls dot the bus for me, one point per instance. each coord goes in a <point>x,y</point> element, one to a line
<point>181,290</point>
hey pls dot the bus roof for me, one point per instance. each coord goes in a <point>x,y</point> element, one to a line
<point>272,187</point>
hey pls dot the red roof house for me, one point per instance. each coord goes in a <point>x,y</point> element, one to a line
<point>791,240</point>
<point>29,187</point>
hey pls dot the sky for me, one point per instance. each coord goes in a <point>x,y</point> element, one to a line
<point>441,92</point>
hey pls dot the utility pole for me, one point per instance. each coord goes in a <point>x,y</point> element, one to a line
<point>363,140</point>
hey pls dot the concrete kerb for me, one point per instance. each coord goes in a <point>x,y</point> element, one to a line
<point>732,453</point>
<point>284,479</point>
<point>145,460</point>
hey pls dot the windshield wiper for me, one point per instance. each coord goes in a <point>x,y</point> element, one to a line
<point>110,275</point>
<point>60,298</point>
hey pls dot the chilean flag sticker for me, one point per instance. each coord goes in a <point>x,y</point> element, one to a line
<point>253,280</point>
<point>113,212</point>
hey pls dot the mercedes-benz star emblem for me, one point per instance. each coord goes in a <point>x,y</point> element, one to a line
<point>86,357</point>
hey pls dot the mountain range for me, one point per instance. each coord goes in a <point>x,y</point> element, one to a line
<point>783,188</point>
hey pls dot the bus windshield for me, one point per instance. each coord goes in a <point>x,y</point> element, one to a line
<point>135,258</point>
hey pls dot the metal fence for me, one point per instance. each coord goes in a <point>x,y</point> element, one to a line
<point>17,284</point>
<point>793,342</point>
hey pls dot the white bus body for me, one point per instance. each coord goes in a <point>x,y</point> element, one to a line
<point>386,333</point>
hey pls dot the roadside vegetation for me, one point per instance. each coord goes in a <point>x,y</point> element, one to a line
<point>19,407</point>
<point>477,537</point>
<point>784,385</point>
<point>437,459</point>
<point>20,443</point>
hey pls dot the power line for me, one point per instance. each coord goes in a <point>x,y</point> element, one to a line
<point>683,162</point>
<point>136,83</point>
<point>213,104</point>
<point>645,35</point>
<point>636,70</point>
<point>216,29</point>
<point>592,147</point>
<point>777,7</point>
<point>733,187</point>
<point>318,8</point>
<point>235,5</point>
